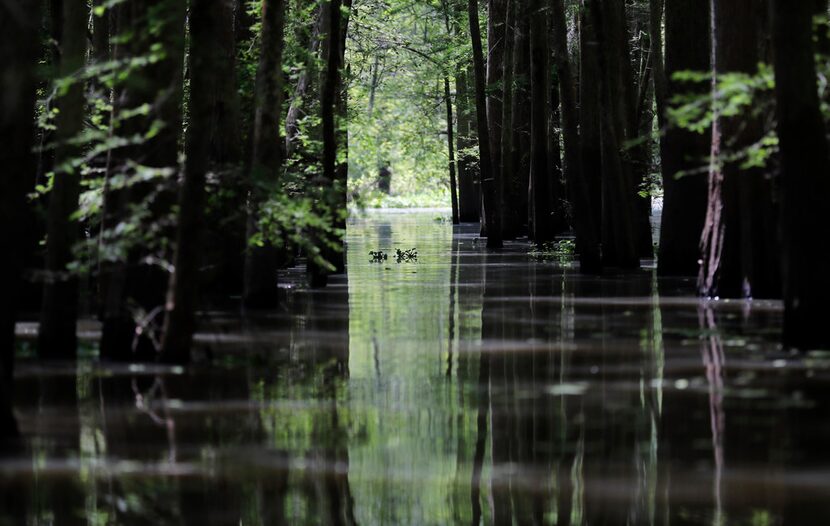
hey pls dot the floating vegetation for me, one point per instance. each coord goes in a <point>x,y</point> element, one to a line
<point>378,256</point>
<point>561,251</point>
<point>406,256</point>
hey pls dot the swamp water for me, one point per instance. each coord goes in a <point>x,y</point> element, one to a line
<point>462,388</point>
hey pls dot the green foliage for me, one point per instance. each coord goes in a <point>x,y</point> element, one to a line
<point>561,251</point>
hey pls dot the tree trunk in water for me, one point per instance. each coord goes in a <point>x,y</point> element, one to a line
<point>510,221</point>
<point>683,152</point>
<point>619,210</point>
<point>541,224</point>
<point>804,175</point>
<point>318,274</point>
<point>496,35</point>
<point>19,46</point>
<point>588,192</point>
<point>486,167</point>
<point>451,151</point>
<point>134,288</point>
<point>745,262</point>
<point>182,299</point>
<point>468,190</point>
<point>266,157</point>
<point>59,314</point>
<point>583,218</point>
<point>519,162</point>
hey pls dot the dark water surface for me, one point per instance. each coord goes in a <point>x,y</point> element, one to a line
<point>467,386</point>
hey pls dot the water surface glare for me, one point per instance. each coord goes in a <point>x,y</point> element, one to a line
<point>467,387</point>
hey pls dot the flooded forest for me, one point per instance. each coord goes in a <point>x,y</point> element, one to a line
<point>414,262</point>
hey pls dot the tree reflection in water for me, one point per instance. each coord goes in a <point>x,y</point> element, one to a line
<point>467,388</point>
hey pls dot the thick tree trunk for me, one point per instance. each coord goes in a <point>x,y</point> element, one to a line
<point>133,287</point>
<point>19,22</point>
<point>182,299</point>
<point>510,220</point>
<point>451,152</point>
<point>805,166</point>
<point>588,192</point>
<point>266,158</point>
<point>468,189</point>
<point>570,131</point>
<point>519,162</point>
<point>486,168</point>
<point>541,209</point>
<point>619,211</point>
<point>59,313</point>
<point>747,264</point>
<point>684,152</point>
<point>496,36</point>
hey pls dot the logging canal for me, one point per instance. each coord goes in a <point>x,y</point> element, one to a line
<point>465,385</point>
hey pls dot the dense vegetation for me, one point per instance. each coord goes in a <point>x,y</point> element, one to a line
<point>160,156</point>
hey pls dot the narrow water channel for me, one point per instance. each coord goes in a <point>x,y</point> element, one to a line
<point>465,387</point>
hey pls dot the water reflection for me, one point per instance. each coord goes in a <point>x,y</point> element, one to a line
<point>467,388</point>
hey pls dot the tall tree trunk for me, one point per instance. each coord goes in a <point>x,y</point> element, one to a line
<point>19,22</point>
<point>683,152</point>
<point>486,169</point>
<point>468,190</point>
<point>541,210</point>
<point>496,36</point>
<point>266,157</point>
<point>180,321</point>
<point>59,313</point>
<point>318,274</point>
<point>133,287</point>
<point>582,218</point>
<point>805,166</point>
<point>588,192</point>
<point>510,220</point>
<point>451,152</point>
<point>519,162</point>
<point>619,211</point>
<point>745,261</point>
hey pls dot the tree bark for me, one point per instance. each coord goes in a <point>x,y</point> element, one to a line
<point>588,194</point>
<point>57,336</point>
<point>486,168</point>
<point>183,292</point>
<point>133,282</point>
<point>684,152</point>
<point>519,162</point>
<point>805,166</point>
<point>260,290</point>
<point>19,46</point>
<point>468,190</point>
<point>541,210</point>
<point>451,152</point>
<point>496,36</point>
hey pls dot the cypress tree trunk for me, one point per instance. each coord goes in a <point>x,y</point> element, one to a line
<point>182,299</point>
<point>19,22</point>
<point>510,220</point>
<point>684,193</point>
<point>468,190</point>
<point>59,313</point>
<point>496,36</point>
<point>318,275</point>
<point>266,159</point>
<point>582,218</point>
<point>587,197</point>
<point>133,287</point>
<point>519,161</point>
<point>341,181</point>
<point>747,263</point>
<point>804,176</point>
<point>451,152</point>
<point>619,212</point>
<point>541,227</point>
<point>486,167</point>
